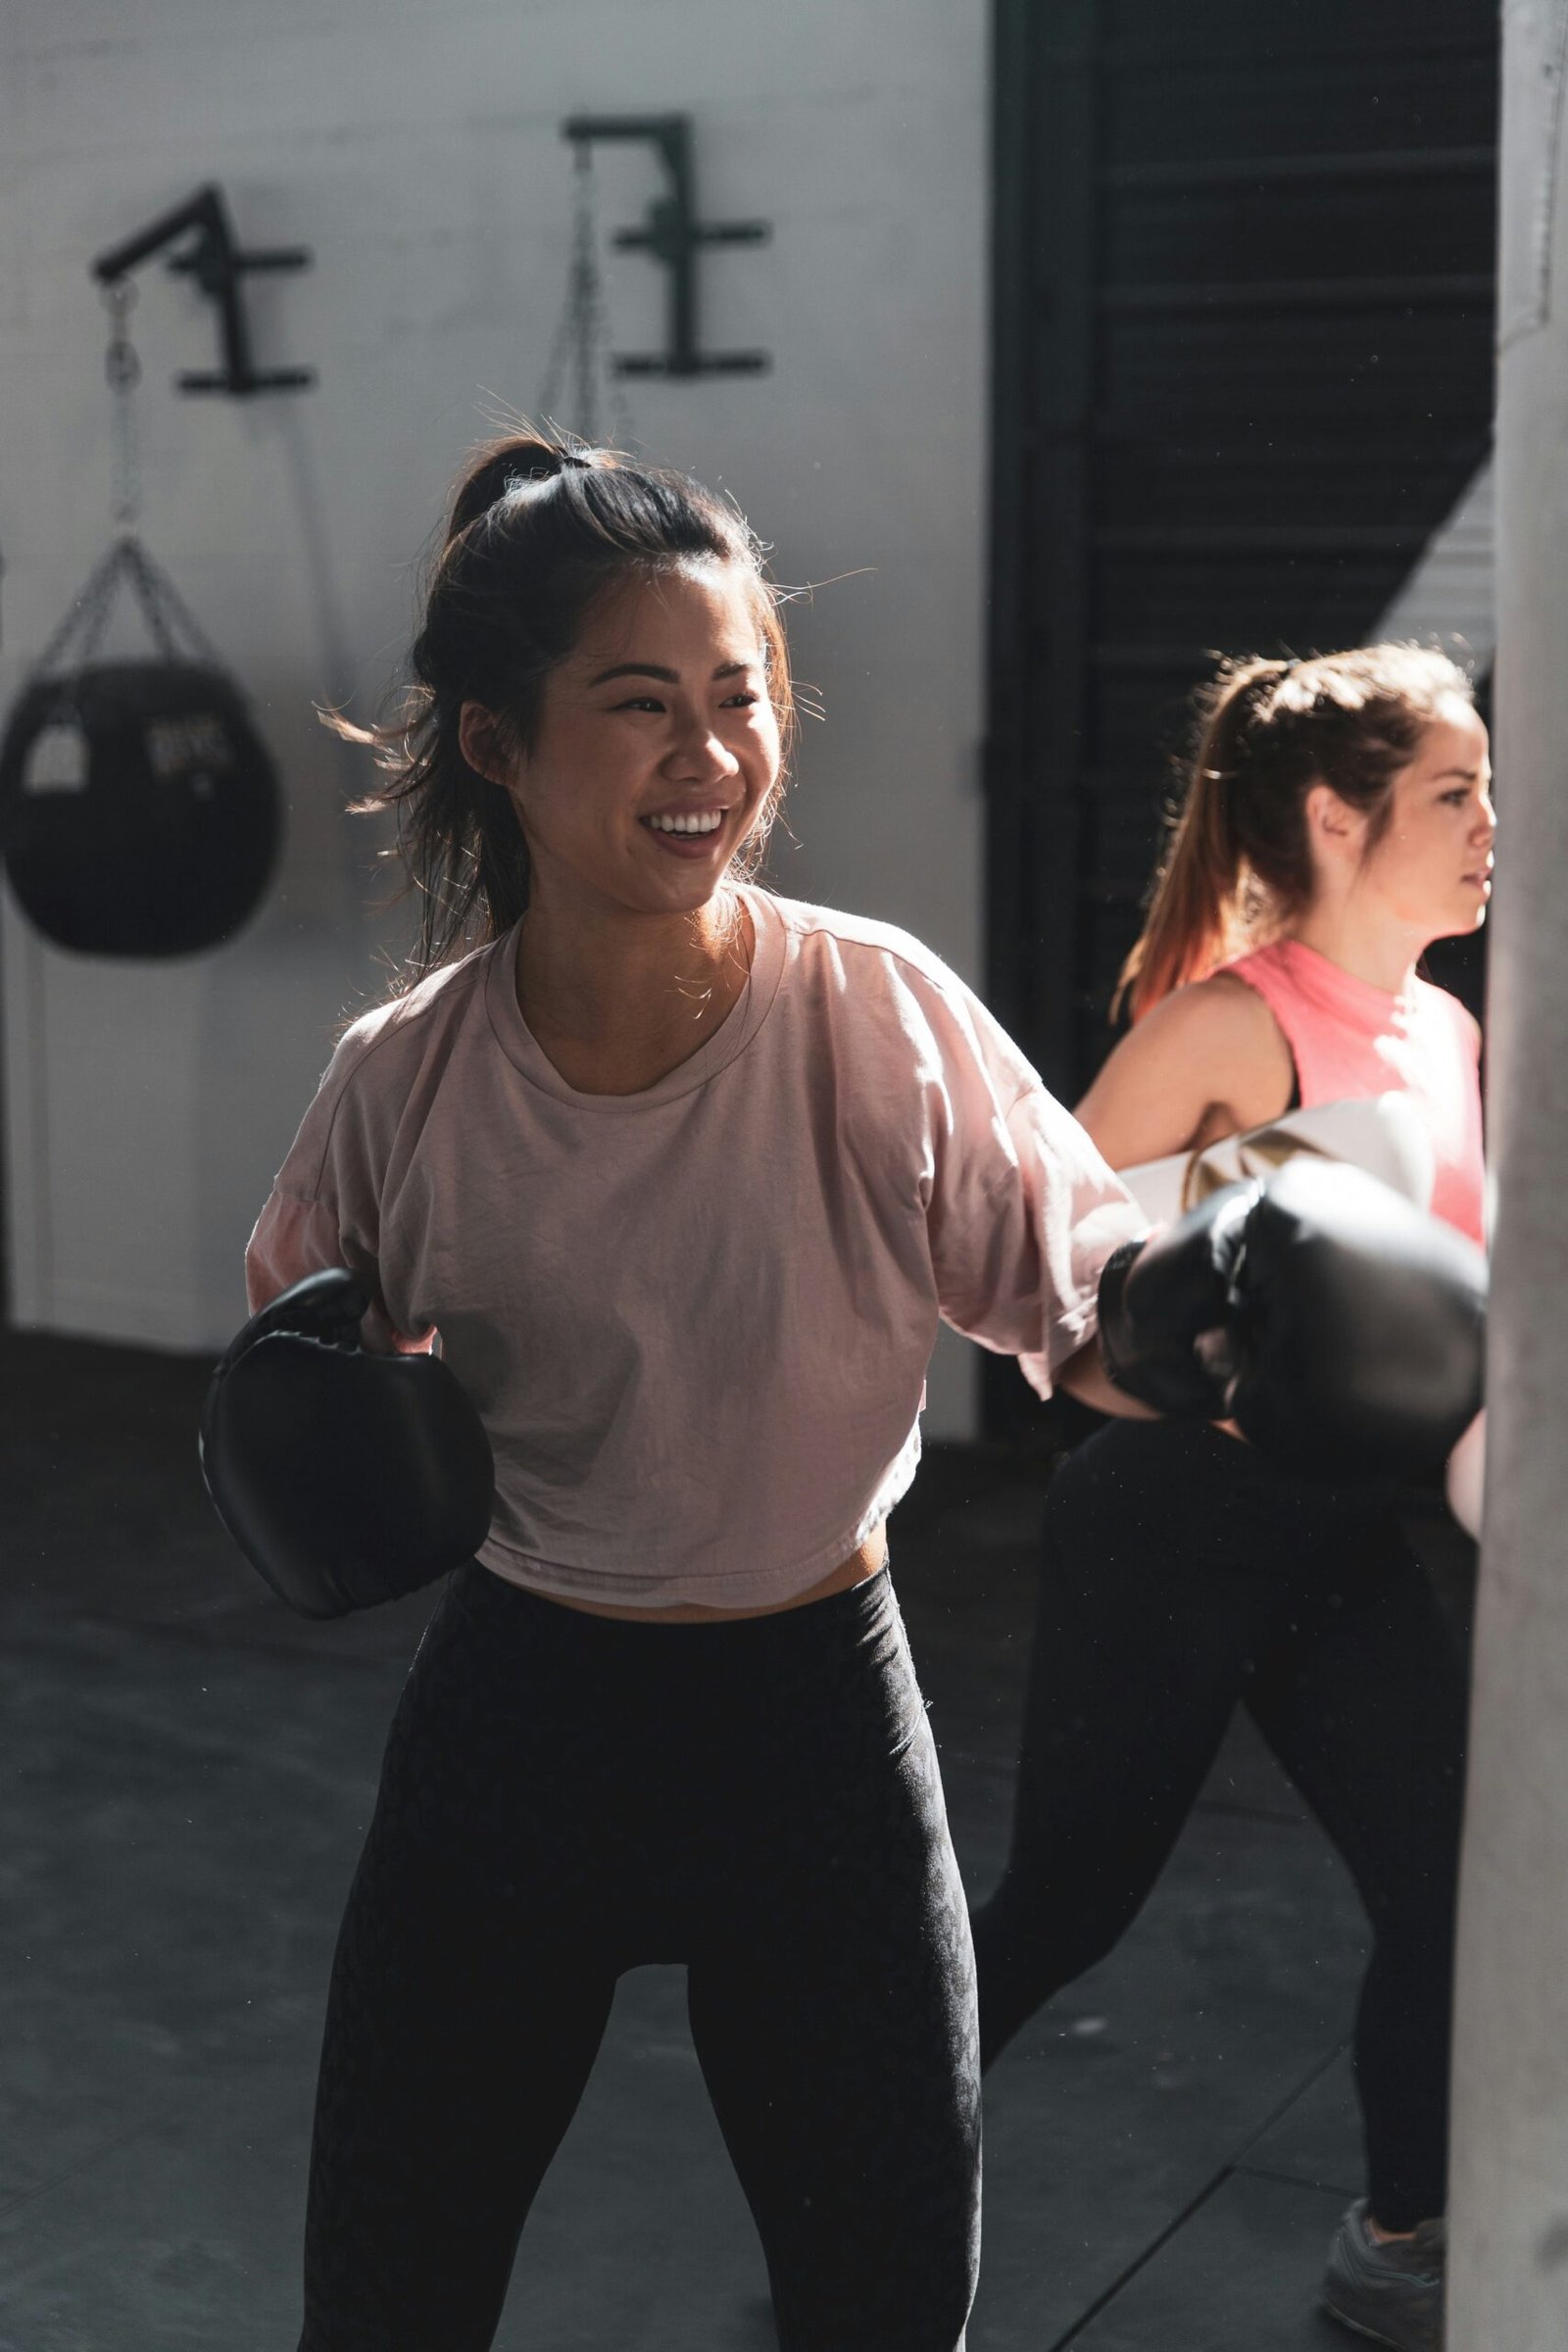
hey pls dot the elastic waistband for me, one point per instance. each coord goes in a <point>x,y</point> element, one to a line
<point>837,1619</point>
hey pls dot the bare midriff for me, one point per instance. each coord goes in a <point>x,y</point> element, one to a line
<point>869,1561</point>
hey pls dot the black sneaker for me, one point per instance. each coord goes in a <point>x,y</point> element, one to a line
<point>1393,2292</point>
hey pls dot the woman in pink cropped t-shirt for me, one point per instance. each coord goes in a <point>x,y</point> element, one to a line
<point>684,1175</point>
<point>1340,807</point>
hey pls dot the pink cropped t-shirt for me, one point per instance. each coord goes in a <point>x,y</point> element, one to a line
<point>696,1320</point>
<point>1349,1038</point>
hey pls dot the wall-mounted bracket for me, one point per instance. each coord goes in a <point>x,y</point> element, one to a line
<point>217,264</point>
<point>674,235</point>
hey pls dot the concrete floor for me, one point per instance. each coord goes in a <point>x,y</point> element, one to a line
<point>190,1769</point>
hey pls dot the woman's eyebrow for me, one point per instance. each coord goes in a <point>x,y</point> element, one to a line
<point>1469,774</point>
<point>666,678</point>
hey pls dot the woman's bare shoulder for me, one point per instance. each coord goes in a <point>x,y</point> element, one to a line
<point>1227,1002</point>
<point>1207,1059</point>
<point>1220,1017</point>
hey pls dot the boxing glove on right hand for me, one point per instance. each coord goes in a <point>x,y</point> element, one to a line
<point>1358,1328</point>
<point>346,1479</point>
<point>1341,1327</point>
<point>1164,1304</point>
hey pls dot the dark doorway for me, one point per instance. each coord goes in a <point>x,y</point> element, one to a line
<point>1242,369</point>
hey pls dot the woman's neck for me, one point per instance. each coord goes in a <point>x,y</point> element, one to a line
<point>618,1000</point>
<point>1369,947</point>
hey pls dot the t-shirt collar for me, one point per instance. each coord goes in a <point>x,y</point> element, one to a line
<point>716,1051</point>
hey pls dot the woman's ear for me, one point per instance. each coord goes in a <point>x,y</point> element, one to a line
<point>1334,828</point>
<point>484,742</point>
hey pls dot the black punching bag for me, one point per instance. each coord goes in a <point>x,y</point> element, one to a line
<point>140,809</point>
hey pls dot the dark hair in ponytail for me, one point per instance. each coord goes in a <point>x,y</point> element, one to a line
<point>1239,863</point>
<point>539,528</point>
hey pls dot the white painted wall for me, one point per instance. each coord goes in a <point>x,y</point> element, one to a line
<point>418,152</point>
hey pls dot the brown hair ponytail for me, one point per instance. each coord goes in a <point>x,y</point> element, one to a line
<point>538,528</point>
<point>1239,865</point>
<point>1194,912</point>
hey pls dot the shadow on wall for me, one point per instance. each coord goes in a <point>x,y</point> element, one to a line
<point>151,1099</point>
<point>329,944</point>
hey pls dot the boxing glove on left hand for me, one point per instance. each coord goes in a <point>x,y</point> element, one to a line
<point>346,1479</point>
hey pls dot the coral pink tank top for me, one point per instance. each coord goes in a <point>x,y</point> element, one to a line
<point>1347,1038</point>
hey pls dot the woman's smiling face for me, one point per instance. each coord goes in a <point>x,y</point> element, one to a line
<point>656,748</point>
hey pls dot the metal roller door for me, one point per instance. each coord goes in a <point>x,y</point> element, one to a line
<point>1243,288</point>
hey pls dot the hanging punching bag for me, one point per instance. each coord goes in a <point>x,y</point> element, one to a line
<point>140,809</point>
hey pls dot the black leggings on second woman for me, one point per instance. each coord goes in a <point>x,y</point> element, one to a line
<point>1183,1575</point>
<point>566,1797</point>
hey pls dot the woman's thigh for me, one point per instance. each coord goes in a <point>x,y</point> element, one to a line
<point>1161,1582</point>
<point>833,2012</point>
<point>470,1991</point>
<point>1363,1701</point>
<point>456,2050</point>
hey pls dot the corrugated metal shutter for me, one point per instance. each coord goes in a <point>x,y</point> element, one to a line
<point>1243,371</point>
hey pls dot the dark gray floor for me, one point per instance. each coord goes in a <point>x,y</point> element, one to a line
<point>189,1772</point>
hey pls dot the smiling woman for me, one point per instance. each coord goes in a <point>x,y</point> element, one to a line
<point>684,1174</point>
<point>594,730</point>
<point>571,621</point>
<point>666,745</point>
<point>651,768</point>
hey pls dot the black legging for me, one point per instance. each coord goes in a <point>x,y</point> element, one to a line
<point>566,1797</point>
<point>1182,1575</point>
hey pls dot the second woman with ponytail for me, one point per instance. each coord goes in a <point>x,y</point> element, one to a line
<point>1338,820</point>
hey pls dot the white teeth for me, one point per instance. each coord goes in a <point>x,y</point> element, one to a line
<point>686,824</point>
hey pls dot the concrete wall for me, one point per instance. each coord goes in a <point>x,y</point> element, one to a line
<point>1509,2184</point>
<point>418,152</point>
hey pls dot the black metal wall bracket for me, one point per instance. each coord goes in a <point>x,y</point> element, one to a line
<point>674,235</point>
<point>217,264</point>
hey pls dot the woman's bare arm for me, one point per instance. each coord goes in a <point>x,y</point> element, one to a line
<point>1208,1062</point>
<point>1084,1376</point>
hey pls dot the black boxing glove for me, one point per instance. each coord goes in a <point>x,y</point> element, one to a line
<point>1357,1327</point>
<point>346,1479</point>
<point>1164,1303</point>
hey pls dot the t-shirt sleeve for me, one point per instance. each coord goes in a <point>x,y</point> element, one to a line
<point>295,1237</point>
<point>323,1211</point>
<point>1023,1210</point>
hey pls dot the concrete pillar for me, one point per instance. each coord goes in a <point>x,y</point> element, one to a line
<point>1509,2281</point>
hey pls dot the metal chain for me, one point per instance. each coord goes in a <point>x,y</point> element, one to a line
<point>168,617</point>
<point>595,362</point>
<point>87,616</point>
<point>128,563</point>
<point>122,368</point>
<point>168,614</point>
<point>582,339</point>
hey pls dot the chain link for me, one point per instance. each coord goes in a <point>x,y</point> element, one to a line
<point>123,370</point>
<point>128,563</point>
<point>582,339</point>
